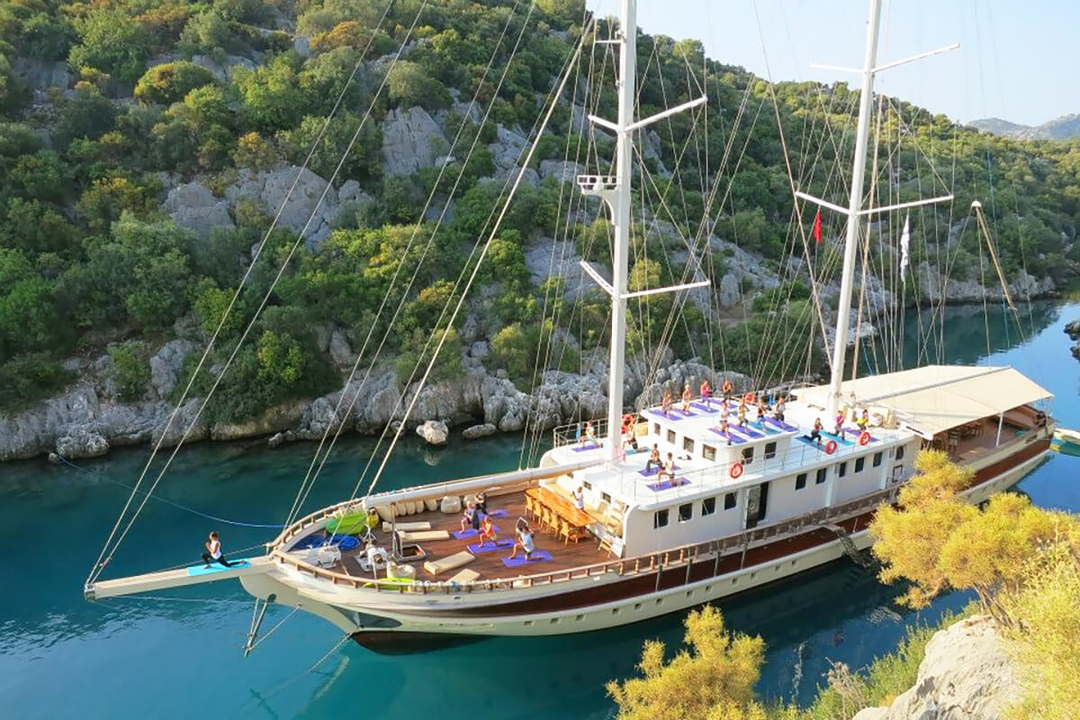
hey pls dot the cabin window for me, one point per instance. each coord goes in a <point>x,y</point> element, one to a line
<point>747,455</point>
<point>859,464</point>
<point>605,497</point>
<point>656,429</point>
<point>841,469</point>
<point>688,444</point>
<point>586,484</point>
<point>660,519</point>
<point>729,501</point>
<point>822,474</point>
<point>770,450</point>
<point>686,512</point>
<point>877,459</point>
<point>671,436</point>
<point>800,481</point>
<point>708,452</point>
<point>900,453</point>
<point>708,506</point>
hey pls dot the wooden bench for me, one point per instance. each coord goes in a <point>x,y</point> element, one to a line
<point>452,562</point>
<point>423,535</point>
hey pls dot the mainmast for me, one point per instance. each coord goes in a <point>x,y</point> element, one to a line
<point>847,279</point>
<point>616,191</point>
<point>627,87</point>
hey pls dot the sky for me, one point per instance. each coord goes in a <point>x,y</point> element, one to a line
<point>1018,59</point>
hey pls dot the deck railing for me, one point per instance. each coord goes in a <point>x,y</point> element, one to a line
<point>664,559</point>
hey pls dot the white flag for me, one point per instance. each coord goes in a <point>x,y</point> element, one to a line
<point>905,240</point>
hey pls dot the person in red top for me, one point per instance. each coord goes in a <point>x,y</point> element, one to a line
<point>706,391</point>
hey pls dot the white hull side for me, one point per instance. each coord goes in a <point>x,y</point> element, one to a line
<point>602,616</point>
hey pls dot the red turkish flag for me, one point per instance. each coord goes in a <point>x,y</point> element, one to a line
<point>817,226</point>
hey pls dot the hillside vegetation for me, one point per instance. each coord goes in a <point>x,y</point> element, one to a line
<point>108,105</point>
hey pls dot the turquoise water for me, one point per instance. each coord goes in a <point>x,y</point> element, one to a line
<point>180,657</point>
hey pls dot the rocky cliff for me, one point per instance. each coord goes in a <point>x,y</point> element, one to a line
<point>965,675</point>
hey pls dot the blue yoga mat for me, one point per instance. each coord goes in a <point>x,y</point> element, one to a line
<point>837,438</point>
<point>748,431</point>
<point>469,533</point>
<point>668,484</point>
<point>857,432</point>
<point>538,556</point>
<point>781,424</point>
<point>497,513</point>
<point>196,570</point>
<point>476,548</point>
<point>587,446</point>
<point>768,429</point>
<point>735,440</point>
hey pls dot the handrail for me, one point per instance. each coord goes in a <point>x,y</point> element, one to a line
<point>741,542</point>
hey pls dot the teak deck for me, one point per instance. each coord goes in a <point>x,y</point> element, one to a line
<point>564,556</point>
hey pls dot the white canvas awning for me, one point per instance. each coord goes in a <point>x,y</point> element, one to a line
<point>936,398</point>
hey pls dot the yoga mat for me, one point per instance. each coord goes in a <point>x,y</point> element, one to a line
<point>749,432</point>
<point>469,533</point>
<point>668,484</point>
<point>497,513</point>
<point>537,556</point>
<point>728,436</point>
<point>857,432</point>
<point>702,407</point>
<point>676,415</point>
<point>837,438</point>
<point>196,570</point>
<point>781,424</point>
<point>476,549</point>
<point>587,446</point>
<point>684,413</point>
<point>768,429</point>
<point>806,439</point>
<point>655,470</point>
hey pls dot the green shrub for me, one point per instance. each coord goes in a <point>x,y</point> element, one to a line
<point>171,82</point>
<point>130,370</point>
<point>28,378</point>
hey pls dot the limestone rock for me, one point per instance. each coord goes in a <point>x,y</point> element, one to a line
<point>434,432</point>
<point>221,70</point>
<point>194,207</point>
<point>86,444</point>
<point>564,171</point>
<point>1073,330</point>
<point>340,352</point>
<point>729,293</point>
<point>479,431</point>
<point>311,198</point>
<point>275,419</point>
<point>507,149</point>
<point>42,73</point>
<point>411,141</point>
<point>275,440</point>
<point>166,365</point>
<point>965,675</point>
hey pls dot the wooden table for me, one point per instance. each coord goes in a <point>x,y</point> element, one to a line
<point>577,518</point>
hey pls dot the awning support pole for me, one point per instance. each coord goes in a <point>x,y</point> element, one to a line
<point>1001,421</point>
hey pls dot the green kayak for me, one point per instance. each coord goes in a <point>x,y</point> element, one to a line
<point>352,524</point>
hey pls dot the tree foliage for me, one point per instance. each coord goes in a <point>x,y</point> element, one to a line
<point>171,82</point>
<point>713,679</point>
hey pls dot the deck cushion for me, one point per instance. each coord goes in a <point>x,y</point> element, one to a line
<point>423,535</point>
<point>452,562</point>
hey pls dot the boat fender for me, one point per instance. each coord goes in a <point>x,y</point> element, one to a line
<point>735,471</point>
<point>749,398</point>
<point>864,438</point>
<point>830,447</point>
<point>627,422</point>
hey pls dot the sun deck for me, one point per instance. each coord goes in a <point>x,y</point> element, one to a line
<point>564,554</point>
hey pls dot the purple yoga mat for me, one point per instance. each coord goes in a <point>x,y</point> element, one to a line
<point>655,470</point>
<point>469,533</point>
<point>735,440</point>
<point>497,513</point>
<point>701,406</point>
<point>587,446</point>
<point>537,556</point>
<point>857,432</point>
<point>676,415</point>
<point>476,548</point>
<point>780,424</point>
<point>748,431</point>
<point>668,484</point>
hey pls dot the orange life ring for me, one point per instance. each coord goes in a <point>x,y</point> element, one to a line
<point>830,447</point>
<point>627,421</point>
<point>864,438</point>
<point>736,471</point>
<point>749,398</point>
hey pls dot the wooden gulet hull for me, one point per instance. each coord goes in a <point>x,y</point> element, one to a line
<point>387,621</point>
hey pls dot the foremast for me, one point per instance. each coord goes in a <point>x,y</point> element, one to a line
<point>616,191</point>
